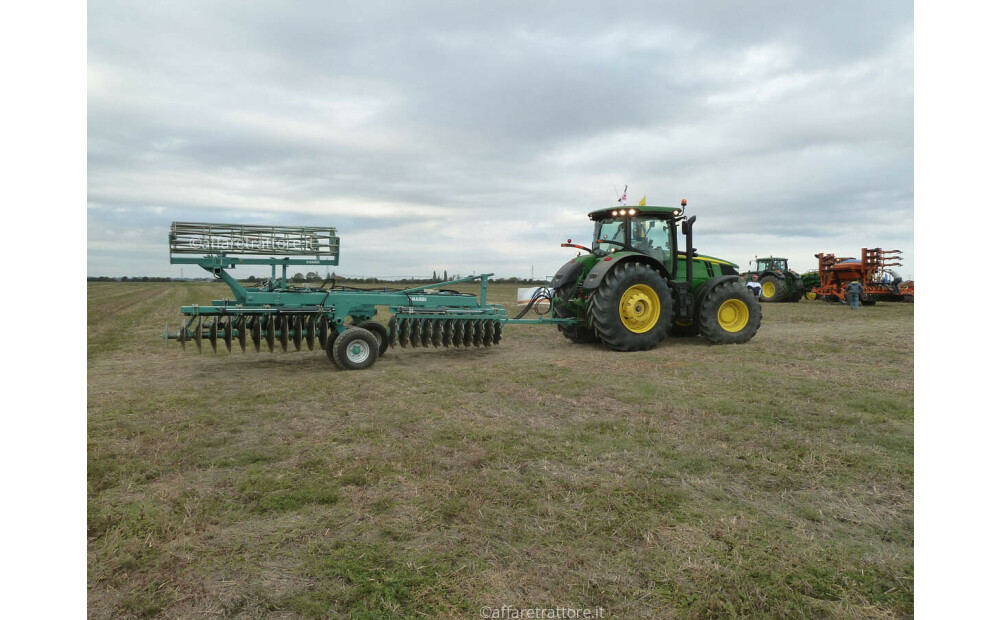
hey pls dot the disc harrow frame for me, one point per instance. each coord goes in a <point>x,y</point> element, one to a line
<point>278,315</point>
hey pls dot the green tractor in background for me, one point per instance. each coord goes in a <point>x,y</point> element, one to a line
<point>634,287</point>
<point>777,282</point>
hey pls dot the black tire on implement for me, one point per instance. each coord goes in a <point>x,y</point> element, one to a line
<point>631,309</point>
<point>381,334</point>
<point>779,289</point>
<point>354,349</point>
<point>729,314</point>
<point>580,334</point>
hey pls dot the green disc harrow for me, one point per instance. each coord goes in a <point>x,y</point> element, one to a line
<point>340,319</point>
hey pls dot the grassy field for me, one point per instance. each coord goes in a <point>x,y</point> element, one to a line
<point>772,479</point>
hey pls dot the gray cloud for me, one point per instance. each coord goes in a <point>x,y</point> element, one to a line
<point>472,136</point>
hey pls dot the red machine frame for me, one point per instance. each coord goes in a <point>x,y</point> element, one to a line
<point>835,273</point>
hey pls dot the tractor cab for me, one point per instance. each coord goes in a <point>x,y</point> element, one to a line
<point>778,265</point>
<point>648,230</point>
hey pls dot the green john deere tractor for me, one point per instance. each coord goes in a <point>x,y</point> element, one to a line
<point>633,287</point>
<point>777,281</point>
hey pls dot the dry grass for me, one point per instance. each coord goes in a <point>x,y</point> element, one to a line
<point>769,479</point>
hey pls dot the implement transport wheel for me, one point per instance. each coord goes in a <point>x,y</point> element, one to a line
<point>811,296</point>
<point>772,289</point>
<point>381,334</point>
<point>354,349</point>
<point>730,314</point>
<point>630,310</point>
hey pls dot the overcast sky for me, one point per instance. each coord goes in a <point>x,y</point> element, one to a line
<point>473,136</point>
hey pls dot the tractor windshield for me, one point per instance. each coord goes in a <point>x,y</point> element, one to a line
<point>609,230</point>
<point>649,235</point>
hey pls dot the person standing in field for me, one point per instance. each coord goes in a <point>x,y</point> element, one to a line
<point>755,286</point>
<point>854,290</point>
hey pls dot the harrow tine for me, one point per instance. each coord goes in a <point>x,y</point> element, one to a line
<point>227,334</point>
<point>213,334</point>
<point>310,326</point>
<point>283,327</point>
<point>197,333</point>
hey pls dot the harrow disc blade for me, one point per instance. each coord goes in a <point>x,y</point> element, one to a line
<point>257,332</point>
<point>426,332</point>
<point>324,330</point>
<point>470,333</point>
<point>227,334</point>
<point>458,332</point>
<point>393,330</point>
<point>447,333</point>
<point>497,331</point>
<point>415,331</point>
<point>487,333</point>
<point>297,331</point>
<point>310,327</point>
<point>213,334</point>
<point>404,332</point>
<point>197,333</point>
<point>269,333</point>
<point>241,332</point>
<point>477,333</point>
<point>282,324</point>
<point>182,334</point>
<point>436,333</point>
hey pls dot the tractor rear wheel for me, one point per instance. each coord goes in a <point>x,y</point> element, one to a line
<point>631,309</point>
<point>580,333</point>
<point>772,289</point>
<point>729,314</point>
<point>354,349</point>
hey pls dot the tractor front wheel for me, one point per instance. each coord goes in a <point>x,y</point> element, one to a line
<point>729,314</point>
<point>631,309</point>
<point>772,289</point>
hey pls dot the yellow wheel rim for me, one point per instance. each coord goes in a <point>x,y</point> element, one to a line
<point>810,295</point>
<point>733,315</point>
<point>639,308</point>
<point>768,289</point>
